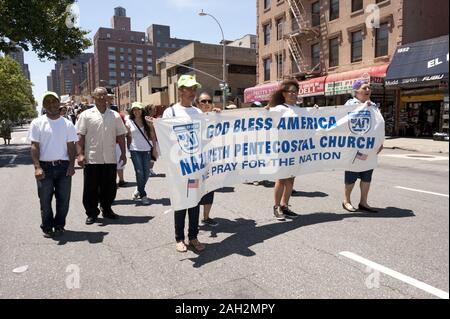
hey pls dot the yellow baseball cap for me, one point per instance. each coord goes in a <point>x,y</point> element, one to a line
<point>49,93</point>
<point>137,105</point>
<point>188,81</point>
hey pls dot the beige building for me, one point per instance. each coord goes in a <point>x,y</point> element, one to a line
<point>328,44</point>
<point>208,58</point>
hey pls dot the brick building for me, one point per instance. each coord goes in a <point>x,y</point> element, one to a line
<point>122,55</point>
<point>328,44</point>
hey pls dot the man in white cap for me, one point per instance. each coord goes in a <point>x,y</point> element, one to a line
<point>53,152</point>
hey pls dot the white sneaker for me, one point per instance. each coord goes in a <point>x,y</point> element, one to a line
<point>146,201</point>
<point>152,173</point>
<point>136,195</point>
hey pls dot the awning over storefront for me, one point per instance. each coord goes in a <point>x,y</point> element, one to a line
<point>419,62</point>
<point>341,83</point>
<point>312,87</point>
<point>260,93</point>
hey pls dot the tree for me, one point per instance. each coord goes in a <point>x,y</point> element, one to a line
<point>45,25</point>
<point>16,95</point>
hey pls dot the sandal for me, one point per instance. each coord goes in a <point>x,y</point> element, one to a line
<point>196,245</point>
<point>181,247</point>
<point>349,207</point>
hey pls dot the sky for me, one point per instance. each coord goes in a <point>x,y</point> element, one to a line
<point>237,18</point>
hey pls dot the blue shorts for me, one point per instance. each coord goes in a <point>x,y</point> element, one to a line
<point>352,177</point>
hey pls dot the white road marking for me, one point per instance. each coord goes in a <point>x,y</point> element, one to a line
<point>421,157</point>
<point>421,191</point>
<point>394,274</point>
<point>11,161</point>
<point>13,158</point>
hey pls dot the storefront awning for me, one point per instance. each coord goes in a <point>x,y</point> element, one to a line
<point>260,93</point>
<point>419,62</point>
<point>312,87</point>
<point>341,83</point>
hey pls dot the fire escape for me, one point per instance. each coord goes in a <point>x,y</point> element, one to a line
<point>305,33</point>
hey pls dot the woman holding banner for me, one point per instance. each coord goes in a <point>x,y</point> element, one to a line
<point>361,94</point>
<point>284,100</point>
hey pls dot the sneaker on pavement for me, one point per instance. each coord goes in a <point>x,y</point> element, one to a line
<point>278,213</point>
<point>91,220</point>
<point>289,213</point>
<point>181,247</point>
<point>48,233</point>
<point>210,222</point>
<point>136,195</point>
<point>196,245</point>
<point>59,231</point>
<point>152,173</point>
<point>145,201</point>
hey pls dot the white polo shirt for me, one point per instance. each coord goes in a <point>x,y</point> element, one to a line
<point>100,131</point>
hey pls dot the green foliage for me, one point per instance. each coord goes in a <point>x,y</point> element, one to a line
<point>41,24</point>
<point>16,96</point>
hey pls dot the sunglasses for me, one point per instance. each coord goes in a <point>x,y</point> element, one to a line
<point>206,101</point>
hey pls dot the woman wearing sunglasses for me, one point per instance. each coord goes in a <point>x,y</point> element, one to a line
<point>205,103</point>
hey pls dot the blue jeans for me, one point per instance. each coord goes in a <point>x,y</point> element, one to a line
<point>141,163</point>
<point>56,182</point>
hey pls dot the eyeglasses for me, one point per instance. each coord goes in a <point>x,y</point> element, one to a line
<point>291,91</point>
<point>206,101</point>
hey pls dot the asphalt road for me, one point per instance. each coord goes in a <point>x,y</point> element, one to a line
<point>249,255</point>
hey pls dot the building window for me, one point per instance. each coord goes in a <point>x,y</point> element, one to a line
<point>122,50</point>
<point>112,66</point>
<point>315,14</point>
<point>122,66</point>
<point>357,5</point>
<point>149,60</point>
<point>266,31</point>
<point>111,49</point>
<point>334,52</point>
<point>108,35</point>
<point>382,40</point>
<point>130,51</point>
<point>139,60</point>
<point>112,82</point>
<point>139,51</point>
<point>122,58</point>
<point>357,42</point>
<point>150,68</point>
<point>266,4</point>
<point>122,74</point>
<point>166,45</point>
<point>174,46</point>
<point>149,52</point>
<point>112,57</point>
<point>267,63</point>
<point>334,9</point>
<point>158,44</point>
<point>280,24</point>
<point>315,56</point>
<point>279,58</point>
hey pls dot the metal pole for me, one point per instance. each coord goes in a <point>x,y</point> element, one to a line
<point>225,86</point>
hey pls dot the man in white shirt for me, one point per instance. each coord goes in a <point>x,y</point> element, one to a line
<point>53,152</point>
<point>99,129</point>
<point>187,89</point>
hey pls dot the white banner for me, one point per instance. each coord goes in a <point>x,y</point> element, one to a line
<point>210,151</point>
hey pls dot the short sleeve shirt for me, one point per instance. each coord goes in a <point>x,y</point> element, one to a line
<point>288,110</point>
<point>180,111</point>
<point>52,136</point>
<point>100,131</point>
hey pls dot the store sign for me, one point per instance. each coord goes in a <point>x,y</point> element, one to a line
<point>312,89</point>
<point>339,87</point>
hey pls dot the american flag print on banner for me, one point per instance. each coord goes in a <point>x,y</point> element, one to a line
<point>192,184</point>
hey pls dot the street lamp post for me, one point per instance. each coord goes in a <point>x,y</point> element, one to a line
<point>224,80</point>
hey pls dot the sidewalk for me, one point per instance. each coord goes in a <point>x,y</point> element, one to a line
<point>421,145</point>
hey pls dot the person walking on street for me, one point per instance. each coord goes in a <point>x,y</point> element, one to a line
<point>5,129</point>
<point>99,128</point>
<point>361,94</point>
<point>53,152</point>
<point>284,100</point>
<point>187,89</point>
<point>141,146</point>
<point>205,103</point>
